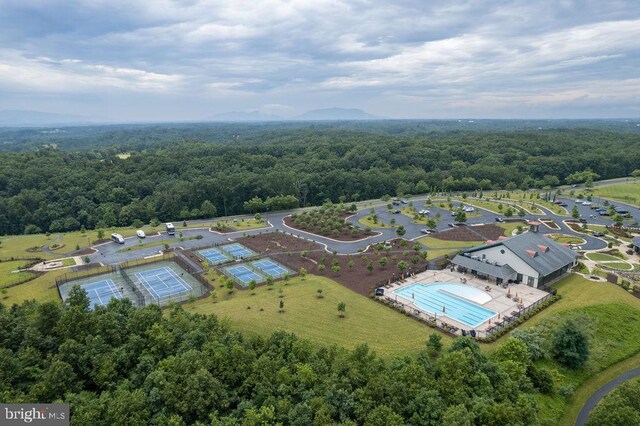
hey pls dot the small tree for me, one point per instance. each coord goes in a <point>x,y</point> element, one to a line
<point>302,273</point>
<point>575,213</point>
<point>100,233</point>
<point>257,217</point>
<point>461,216</point>
<point>321,268</point>
<point>319,294</point>
<point>400,231</point>
<point>281,310</point>
<point>370,267</point>
<point>252,285</point>
<point>269,283</point>
<point>336,269</point>
<point>383,262</point>
<point>342,307</point>
<point>570,345</point>
<point>213,296</point>
<point>229,285</point>
<point>434,344</point>
<point>350,264</point>
<point>402,266</point>
<point>417,247</point>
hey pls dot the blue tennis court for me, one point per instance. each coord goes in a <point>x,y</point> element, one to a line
<point>269,267</point>
<point>101,292</point>
<point>243,274</point>
<point>237,250</point>
<point>162,282</point>
<point>214,256</point>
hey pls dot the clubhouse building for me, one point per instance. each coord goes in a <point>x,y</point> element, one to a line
<point>531,259</point>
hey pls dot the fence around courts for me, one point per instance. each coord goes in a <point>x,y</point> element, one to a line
<point>140,295</point>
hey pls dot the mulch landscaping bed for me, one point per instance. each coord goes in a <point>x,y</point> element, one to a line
<point>471,233</point>
<point>343,236</point>
<point>223,230</point>
<point>286,249</point>
<point>84,251</point>
<point>550,223</point>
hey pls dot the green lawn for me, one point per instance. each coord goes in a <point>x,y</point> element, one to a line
<point>383,329</point>
<point>599,257</point>
<point>618,265</point>
<point>509,227</point>
<point>567,239</point>
<point>8,277</point>
<point>238,225</point>
<point>68,262</point>
<point>559,210</point>
<point>366,221</point>
<point>492,206</point>
<point>625,192</point>
<point>42,289</point>
<point>446,244</point>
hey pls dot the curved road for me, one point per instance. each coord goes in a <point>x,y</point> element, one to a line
<point>591,403</point>
<point>110,253</point>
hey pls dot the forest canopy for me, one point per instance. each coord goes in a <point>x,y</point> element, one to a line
<point>53,189</point>
<point>125,365</point>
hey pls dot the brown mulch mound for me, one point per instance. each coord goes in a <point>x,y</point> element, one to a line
<point>286,249</point>
<point>471,233</point>
<point>85,251</point>
<point>223,230</point>
<point>343,236</point>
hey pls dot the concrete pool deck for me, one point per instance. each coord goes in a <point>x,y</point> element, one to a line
<point>501,299</point>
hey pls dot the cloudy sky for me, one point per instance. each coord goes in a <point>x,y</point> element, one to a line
<point>191,59</point>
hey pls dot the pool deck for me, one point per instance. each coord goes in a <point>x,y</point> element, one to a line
<point>502,299</point>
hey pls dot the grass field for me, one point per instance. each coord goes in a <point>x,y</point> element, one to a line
<point>618,265</point>
<point>509,227</point>
<point>238,225</point>
<point>492,206</point>
<point>567,239</point>
<point>599,257</point>
<point>383,329</point>
<point>42,289</point>
<point>8,277</point>
<point>446,244</point>
<point>625,192</point>
<point>366,221</point>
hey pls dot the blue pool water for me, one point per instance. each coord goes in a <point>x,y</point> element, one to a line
<point>432,297</point>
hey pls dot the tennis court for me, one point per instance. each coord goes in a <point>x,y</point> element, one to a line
<point>101,292</point>
<point>237,250</point>
<point>162,282</point>
<point>213,256</point>
<point>270,268</point>
<point>243,275</point>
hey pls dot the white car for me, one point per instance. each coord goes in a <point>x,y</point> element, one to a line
<point>579,201</point>
<point>469,209</point>
<point>140,233</point>
<point>424,212</point>
<point>586,203</point>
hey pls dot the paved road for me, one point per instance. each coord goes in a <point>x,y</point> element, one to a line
<point>111,253</point>
<point>591,403</point>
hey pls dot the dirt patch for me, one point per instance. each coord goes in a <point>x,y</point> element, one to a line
<point>471,233</point>
<point>287,250</point>
<point>346,235</point>
<point>85,251</point>
<point>550,223</point>
<point>85,267</point>
<point>223,229</point>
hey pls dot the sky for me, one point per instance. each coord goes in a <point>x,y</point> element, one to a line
<point>162,60</point>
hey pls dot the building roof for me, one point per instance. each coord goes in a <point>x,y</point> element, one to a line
<point>636,241</point>
<point>504,271</point>
<point>538,251</point>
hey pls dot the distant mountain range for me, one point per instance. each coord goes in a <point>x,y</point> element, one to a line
<point>21,118</point>
<point>327,114</point>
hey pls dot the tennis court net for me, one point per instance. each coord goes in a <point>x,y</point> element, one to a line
<point>138,292</point>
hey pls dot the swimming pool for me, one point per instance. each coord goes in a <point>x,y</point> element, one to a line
<point>431,298</point>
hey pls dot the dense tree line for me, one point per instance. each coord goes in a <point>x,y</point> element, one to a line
<point>124,365</point>
<point>56,190</point>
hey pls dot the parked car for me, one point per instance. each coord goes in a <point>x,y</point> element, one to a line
<point>582,220</point>
<point>578,200</point>
<point>424,212</point>
<point>396,202</point>
<point>426,231</point>
<point>451,225</point>
<point>563,204</point>
<point>396,211</point>
<point>404,201</point>
<point>598,234</point>
<point>586,203</point>
<point>140,233</point>
<point>557,202</point>
<point>603,213</point>
<point>499,219</point>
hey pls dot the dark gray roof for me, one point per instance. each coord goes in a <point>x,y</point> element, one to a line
<point>636,241</point>
<point>524,245</point>
<point>504,271</point>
